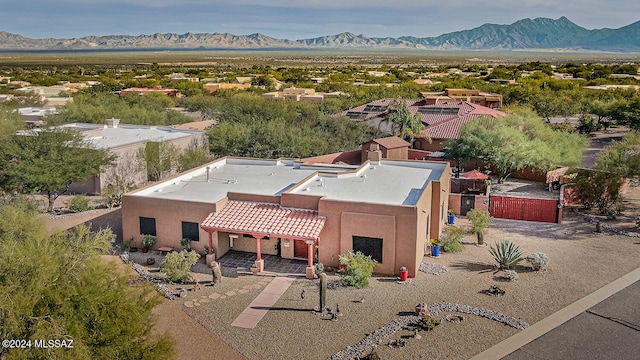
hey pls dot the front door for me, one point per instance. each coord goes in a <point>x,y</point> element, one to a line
<point>467,202</point>
<point>300,249</point>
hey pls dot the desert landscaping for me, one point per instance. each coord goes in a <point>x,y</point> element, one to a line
<point>581,261</point>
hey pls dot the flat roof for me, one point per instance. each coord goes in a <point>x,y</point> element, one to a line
<point>123,134</point>
<point>394,182</point>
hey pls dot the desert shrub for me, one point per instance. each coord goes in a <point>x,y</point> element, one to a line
<point>359,268</point>
<point>506,254</point>
<point>78,203</point>
<point>511,275</point>
<point>496,290</point>
<point>177,265</point>
<point>538,261</point>
<point>112,195</point>
<point>480,220</point>
<point>319,267</point>
<point>450,240</point>
<point>427,323</point>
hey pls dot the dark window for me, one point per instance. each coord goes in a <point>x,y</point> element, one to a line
<point>368,246</point>
<point>147,226</point>
<point>191,230</point>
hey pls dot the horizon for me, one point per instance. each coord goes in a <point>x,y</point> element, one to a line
<point>41,19</point>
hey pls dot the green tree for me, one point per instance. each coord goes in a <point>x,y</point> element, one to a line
<point>71,294</point>
<point>196,154</point>
<point>518,141</point>
<point>480,220</point>
<point>159,159</point>
<point>401,121</point>
<point>50,160</point>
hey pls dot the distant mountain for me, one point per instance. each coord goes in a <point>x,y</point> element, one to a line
<point>539,33</point>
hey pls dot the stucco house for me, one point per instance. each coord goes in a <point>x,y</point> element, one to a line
<point>124,141</point>
<point>385,208</point>
<point>442,120</point>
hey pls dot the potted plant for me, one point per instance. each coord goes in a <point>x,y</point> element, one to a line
<point>404,274</point>
<point>147,242</point>
<point>451,216</point>
<point>344,261</point>
<point>254,269</point>
<point>435,247</point>
<point>186,243</point>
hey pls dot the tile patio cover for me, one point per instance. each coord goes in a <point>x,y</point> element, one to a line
<point>248,217</point>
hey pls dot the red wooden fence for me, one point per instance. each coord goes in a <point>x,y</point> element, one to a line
<point>507,207</point>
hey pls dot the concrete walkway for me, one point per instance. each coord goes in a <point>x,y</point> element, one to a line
<point>558,318</point>
<point>263,302</point>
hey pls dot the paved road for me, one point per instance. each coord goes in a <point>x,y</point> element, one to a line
<point>608,330</point>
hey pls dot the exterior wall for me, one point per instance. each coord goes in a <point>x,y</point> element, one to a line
<point>481,202</point>
<point>300,201</point>
<point>434,145</point>
<point>396,225</point>
<point>169,215</point>
<point>398,153</point>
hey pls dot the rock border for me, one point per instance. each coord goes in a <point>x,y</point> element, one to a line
<point>160,287</point>
<point>386,331</point>
<point>592,219</point>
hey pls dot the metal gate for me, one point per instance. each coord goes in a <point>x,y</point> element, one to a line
<point>467,202</point>
<point>528,209</point>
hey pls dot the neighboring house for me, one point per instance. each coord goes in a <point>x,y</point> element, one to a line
<point>442,120</point>
<point>169,92</point>
<point>388,209</point>
<point>214,87</point>
<point>124,141</point>
<point>295,94</point>
<point>490,100</point>
<point>34,116</point>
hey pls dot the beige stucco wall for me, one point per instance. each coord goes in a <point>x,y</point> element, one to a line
<point>169,215</point>
<point>396,225</point>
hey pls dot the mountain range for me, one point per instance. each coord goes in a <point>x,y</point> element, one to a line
<point>538,33</point>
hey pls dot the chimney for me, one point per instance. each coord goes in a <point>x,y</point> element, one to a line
<point>113,123</point>
<point>208,170</point>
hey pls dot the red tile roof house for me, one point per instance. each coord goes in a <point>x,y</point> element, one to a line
<point>442,120</point>
<point>388,209</point>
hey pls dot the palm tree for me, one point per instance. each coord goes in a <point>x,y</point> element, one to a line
<point>402,122</point>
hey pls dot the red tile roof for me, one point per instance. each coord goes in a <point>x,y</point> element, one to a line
<point>267,219</point>
<point>438,126</point>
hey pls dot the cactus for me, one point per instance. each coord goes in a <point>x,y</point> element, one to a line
<point>323,291</point>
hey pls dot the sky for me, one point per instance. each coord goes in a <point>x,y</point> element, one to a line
<point>291,19</point>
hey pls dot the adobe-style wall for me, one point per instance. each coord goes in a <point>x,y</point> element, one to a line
<point>396,225</point>
<point>481,202</point>
<point>169,215</point>
<point>434,145</point>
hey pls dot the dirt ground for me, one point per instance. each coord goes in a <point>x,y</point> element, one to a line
<point>581,262</point>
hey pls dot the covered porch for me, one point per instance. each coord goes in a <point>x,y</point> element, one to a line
<point>293,226</point>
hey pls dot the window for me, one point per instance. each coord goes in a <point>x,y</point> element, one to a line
<point>428,226</point>
<point>191,230</point>
<point>368,246</point>
<point>147,226</point>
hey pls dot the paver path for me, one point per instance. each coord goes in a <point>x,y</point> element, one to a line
<point>263,302</point>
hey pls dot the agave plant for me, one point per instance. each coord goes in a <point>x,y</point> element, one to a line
<point>506,253</point>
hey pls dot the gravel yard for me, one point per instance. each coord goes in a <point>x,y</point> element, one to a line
<point>581,261</point>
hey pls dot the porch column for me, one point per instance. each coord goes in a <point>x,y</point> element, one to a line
<point>259,262</point>
<point>210,257</point>
<point>310,244</point>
